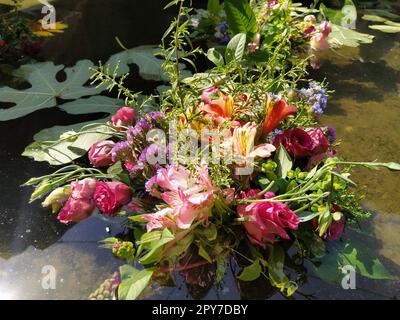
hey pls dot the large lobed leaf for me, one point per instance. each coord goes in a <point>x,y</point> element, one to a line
<point>45,88</point>
<point>341,36</point>
<point>145,57</point>
<point>52,145</point>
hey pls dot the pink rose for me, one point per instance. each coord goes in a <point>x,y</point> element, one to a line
<point>267,220</point>
<point>100,153</point>
<point>80,204</point>
<point>111,196</point>
<point>76,210</point>
<point>125,116</point>
<point>83,189</point>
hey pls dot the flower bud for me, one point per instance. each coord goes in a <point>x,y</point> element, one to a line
<point>125,116</point>
<point>100,153</point>
<point>57,198</point>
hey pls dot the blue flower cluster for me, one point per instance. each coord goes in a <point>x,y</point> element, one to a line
<point>221,33</point>
<point>316,97</point>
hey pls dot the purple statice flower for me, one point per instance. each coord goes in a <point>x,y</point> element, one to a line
<point>274,133</point>
<point>331,134</point>
<point>275,96</point>
<point>139,131</point>
<point>155,116</point>
<point>142,163</point>
<point>144,125</point>
<point>316,97</point>
<point>121,151</point>
<point>151,187</point>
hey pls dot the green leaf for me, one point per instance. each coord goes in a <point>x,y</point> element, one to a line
<point>307,215</point>
<point>251,272</point>
<point>215,57</point>
<point>385,28</point>
<point>221,268</point>
<point>145,57</point>
<point>350,252</point>
<point>149,237</point>
<point>209,233</point>
<point>133,282</point>
<point>235,48</point>
<point>393,166</point>
<point>346,37</point>
<point>345,16</point>
<point>282,158</point>
<point>45,88</point>
<point>277,276</point>
<point>214,7</point>
<point>115,169</point>
<point>240,17</point>
<point>373,18</point>
<point>204,254</point>
<point>52,144</point>
<point>154,255</point>
<point>180,246</point>
<point>362,259</point>
<point>93,105</point>
<point>324,221</point>
<point>383,13</point>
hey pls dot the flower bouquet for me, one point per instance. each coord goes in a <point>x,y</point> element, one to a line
<point>225,166</point>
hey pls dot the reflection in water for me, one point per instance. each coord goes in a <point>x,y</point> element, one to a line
<point>364,110</point>
<point>79,264</point>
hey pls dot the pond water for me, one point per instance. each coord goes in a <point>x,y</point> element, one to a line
<point>364,110</point>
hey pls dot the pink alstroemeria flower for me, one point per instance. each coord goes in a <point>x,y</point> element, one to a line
<point>188,197</point>
<point>243,145</point>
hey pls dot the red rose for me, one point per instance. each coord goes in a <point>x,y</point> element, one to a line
<point>124,117</point>
<point>2,43</point>
<point>80,204</point>
<point>111,196</point>
<point>301,143</point>
<point>100,153</point>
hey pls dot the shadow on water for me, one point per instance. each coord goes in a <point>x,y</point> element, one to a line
<point>364,110</point>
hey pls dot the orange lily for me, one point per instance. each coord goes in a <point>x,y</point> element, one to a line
<point>219,109</point>
<point>276,113</point>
